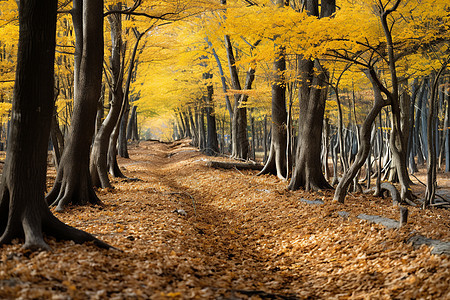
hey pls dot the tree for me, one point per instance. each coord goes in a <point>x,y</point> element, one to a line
<point>277,161</point>
<point>73,184</point>
<point>23,211</point>
<point>307,172</point>
<point>99,153</point>
<point>212,145</point>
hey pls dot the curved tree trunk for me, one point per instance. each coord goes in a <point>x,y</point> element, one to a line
<point>73,183</point>
<point>113,166</point>
<point>363,151</point>
<point>99,154</point>
<point>122,147</point>
<point>23,211</point>
<point>400,110</point>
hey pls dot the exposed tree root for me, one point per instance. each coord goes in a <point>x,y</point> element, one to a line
<point>232,165</point>
<point>35,220</point>
<point>275,164</point>
<point>72,190</point>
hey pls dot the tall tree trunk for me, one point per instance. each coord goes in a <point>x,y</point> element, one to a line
<point>99,154</point>
<point>276,164</point>
<point>239,135</point>
<point>430,191</point>
<point>307,172</point>
<point>23,211</point>
<point>447,132</point>
<point>73,182</point>
<point>412,133</point>
<point>418,124</point>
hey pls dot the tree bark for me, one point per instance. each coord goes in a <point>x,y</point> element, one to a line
<point>212,145</point>
<point>57,139</point>
<point>132,130</point>
<point>99,154</point>
<point>73,182</point>
<point>430,191</point>
<point>276,164</point>
<point>363,151</point>
<point>240,145</point>
<point>399,140</point>
<point>122,145</point>
<point>23,211</point>
<point>307,172</point>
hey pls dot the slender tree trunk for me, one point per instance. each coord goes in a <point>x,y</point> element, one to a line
<point>99,154</point>
<point>380,157</point>
<point>100,109</point>
<point>201,127</point>
<point>430,191</point>
<point>399,140</point>
<point>412,133</point>
<point>187,125</point>
<point>122,145</point>
<point>276,164</point>
<point>212,145</point>
<point>194,131</point>
<point>57,139</point>
<point>113,166</point>
<point>180,123</point>
<point>239,135</point>
<point>447,132</point>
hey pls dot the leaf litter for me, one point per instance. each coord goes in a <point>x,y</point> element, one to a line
<point>187,231</point>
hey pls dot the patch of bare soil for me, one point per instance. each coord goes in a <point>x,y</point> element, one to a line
<point>189,231</point>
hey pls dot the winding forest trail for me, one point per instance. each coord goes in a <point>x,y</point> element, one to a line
<point>189,231</point>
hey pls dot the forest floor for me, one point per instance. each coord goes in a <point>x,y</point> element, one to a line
<point>243,236</point>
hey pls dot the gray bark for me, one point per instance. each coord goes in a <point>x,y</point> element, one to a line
<point>73,182</point>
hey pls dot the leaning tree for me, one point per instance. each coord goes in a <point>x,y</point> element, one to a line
<point>23,211</point>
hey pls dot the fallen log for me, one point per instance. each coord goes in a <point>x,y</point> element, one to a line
<point>437,247</point>
<point>233,165</point>
<point>386,222</point>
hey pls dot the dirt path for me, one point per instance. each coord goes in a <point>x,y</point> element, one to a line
<point>242,236</point>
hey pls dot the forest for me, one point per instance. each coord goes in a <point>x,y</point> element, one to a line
<point>247,149</point>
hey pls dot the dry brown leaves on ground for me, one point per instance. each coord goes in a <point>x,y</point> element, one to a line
<point>188,231</point>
